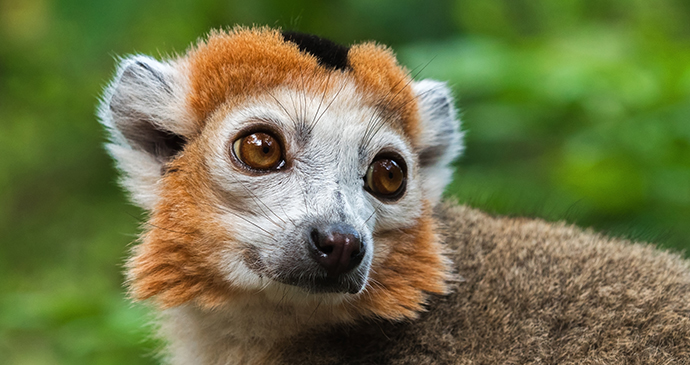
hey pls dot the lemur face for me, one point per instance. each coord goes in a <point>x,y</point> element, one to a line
<point>300,178</point>
<point>274,163</point>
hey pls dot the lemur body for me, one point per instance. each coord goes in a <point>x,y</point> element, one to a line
<point>291,185</point>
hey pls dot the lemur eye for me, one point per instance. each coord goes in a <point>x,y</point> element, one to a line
<point>385,178</point>
<point>259,151</point>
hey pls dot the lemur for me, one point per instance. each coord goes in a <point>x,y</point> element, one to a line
<point>293,189</point>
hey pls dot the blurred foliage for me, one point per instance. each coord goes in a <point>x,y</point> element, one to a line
<point>574,109</point>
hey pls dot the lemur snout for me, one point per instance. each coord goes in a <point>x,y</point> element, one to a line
<point>338,248</point>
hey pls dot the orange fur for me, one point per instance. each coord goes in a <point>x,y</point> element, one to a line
<point>413,268</point>
<point>379,76</point>
<point>178,258</point>
<point>245,62</point>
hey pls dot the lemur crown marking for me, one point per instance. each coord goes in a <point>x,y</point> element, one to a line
<point>285,167</point>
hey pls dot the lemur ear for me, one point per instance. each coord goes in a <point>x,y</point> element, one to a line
<point>441,139</point>
<point>144,111</point>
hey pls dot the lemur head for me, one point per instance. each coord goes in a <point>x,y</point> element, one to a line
<point>274,163</point>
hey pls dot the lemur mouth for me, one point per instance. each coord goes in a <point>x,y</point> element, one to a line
<point>309,274</point>
<point>351,283</point>
<point>330,258</point>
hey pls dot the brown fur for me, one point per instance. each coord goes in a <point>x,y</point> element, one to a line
<point>532,293</point>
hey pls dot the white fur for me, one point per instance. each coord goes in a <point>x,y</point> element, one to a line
<point>438,128</point>
<point>238,333</point>
<point>169,111</point>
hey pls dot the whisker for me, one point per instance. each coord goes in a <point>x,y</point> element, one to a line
<point>304,196</point>
<point>380,122</point>
<point>295,109</point>
<point>285,214</point>
<point>257,199</point>
<point>315,309</point>
<point>323,97</point>
<point>375,127</point>
<point>252,223</point>
<point>303,94</point>
<point>372,214</point>
<point>237,214</point>
<point>282,106</point>
<point>328,106</point>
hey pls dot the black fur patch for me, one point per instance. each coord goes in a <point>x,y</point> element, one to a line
<point>329,53</point>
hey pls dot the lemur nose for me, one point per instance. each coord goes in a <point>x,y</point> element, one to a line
<point>337,248</point>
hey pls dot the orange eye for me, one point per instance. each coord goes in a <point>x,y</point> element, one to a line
<point>385,178</point>
<point>259,151</point>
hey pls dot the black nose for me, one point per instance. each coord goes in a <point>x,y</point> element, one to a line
<point>337,248</point>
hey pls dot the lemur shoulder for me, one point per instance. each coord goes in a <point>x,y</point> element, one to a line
<point>293,189</point>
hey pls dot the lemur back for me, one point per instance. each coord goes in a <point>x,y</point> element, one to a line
<point>293,190</point>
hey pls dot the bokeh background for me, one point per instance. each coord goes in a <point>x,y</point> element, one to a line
<point>575,110</point>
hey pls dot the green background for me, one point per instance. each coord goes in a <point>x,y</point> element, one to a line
<point>575,110</point>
